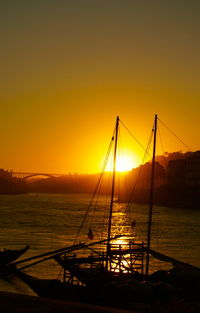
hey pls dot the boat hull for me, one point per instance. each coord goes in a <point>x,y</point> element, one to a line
<point>8,256</point>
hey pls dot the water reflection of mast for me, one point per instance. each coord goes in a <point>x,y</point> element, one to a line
<point>112,191</point>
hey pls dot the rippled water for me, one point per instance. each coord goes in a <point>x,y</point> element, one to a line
<point>51,221</point>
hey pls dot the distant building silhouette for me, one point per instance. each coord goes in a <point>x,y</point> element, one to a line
<point>176,172</point>
<point>184,171</point>
<point>5,175</point>
<point>192,169</point>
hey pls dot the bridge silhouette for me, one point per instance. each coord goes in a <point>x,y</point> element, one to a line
<point>27,175</point>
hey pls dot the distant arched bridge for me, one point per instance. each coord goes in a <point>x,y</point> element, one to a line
<point>25,176</point>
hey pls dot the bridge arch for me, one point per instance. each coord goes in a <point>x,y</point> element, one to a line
<point>37,174</point>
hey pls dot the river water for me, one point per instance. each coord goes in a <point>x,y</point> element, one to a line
<point>50,221</point>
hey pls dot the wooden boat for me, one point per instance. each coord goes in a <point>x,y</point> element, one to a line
<point>115,262</point>
<point>118,274</point>
<point>54,288</point>
<point>122,263</point>
<point>8,256</point>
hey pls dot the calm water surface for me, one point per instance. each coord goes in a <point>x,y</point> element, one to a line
<point>51,221</point>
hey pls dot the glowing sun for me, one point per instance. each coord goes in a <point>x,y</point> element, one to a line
<point>124,163</point>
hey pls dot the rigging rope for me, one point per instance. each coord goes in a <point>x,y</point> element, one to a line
<point>161,143</point>
<point>139,171</point>
<point>140,168</point>
<point>96,188</point>
<point>127,210</point>
<point>134,137</point>
<point>174,135</point>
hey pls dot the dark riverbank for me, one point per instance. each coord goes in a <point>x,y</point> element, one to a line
<point>184,197</point>
<point>11,302</point>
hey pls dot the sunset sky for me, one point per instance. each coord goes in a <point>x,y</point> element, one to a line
<point>68,68</point>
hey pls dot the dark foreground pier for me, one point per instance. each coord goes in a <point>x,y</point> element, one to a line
<point>17,303</point>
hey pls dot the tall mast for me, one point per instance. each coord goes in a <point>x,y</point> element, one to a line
<point>151,194</point>
<point>112,191</point>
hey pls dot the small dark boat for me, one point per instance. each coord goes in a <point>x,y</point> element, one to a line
<point>7,256</point>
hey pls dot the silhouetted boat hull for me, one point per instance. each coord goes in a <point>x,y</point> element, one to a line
<point>51,288</point>
<point>126,294</point>
<point>116,295</point>
<point>8,256</point>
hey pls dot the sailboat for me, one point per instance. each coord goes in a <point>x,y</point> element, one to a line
<point>128,262</point>
<point>104,275</point>
<point>117,262</point>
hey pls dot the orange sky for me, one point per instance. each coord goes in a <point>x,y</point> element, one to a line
<point>68,68</point>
